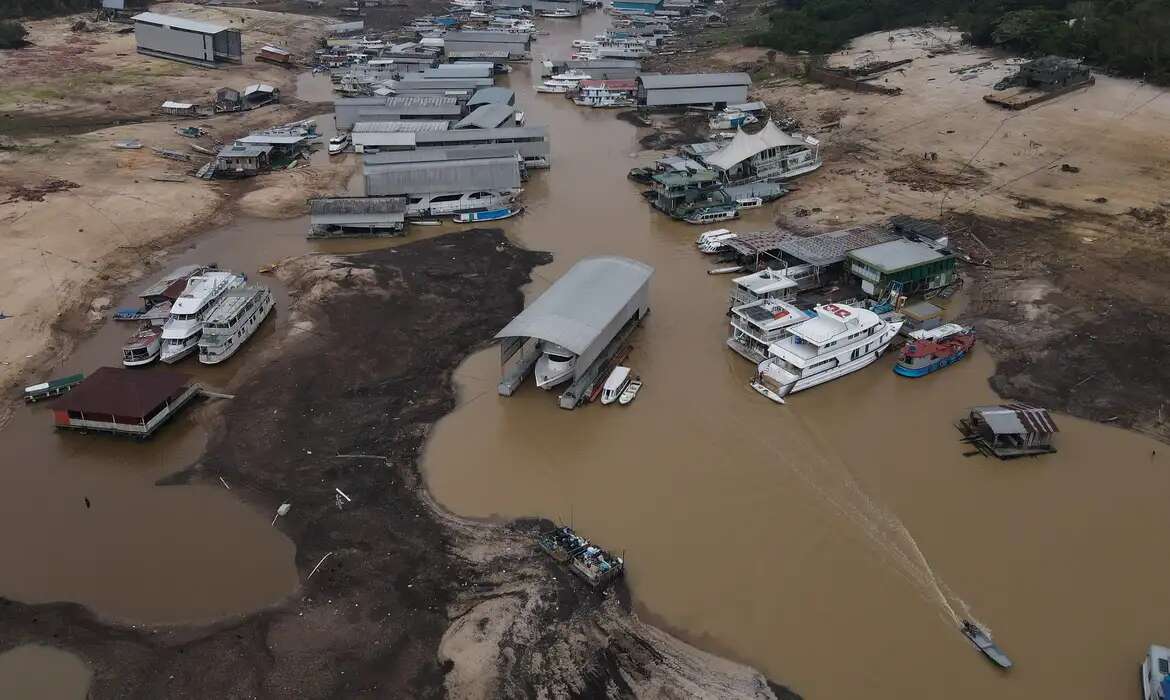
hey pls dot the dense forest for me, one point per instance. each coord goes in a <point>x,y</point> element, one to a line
<point>43,8</point>
<point>1131,37</point>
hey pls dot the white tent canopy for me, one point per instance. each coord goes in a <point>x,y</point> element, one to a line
<point>745,145</point>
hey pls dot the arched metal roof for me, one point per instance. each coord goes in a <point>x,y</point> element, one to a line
<point>580,305</point>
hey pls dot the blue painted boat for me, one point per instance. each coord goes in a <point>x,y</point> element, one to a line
<point>930,351</point>
<point>488,215</point>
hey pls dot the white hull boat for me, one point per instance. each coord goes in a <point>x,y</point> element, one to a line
<point>233,321</point>
<point>630,392</point>
<point>615,384</point>
<point>838,341</point>
<point>450,204</point>
<point>554,366</point>
<point>143,347</point>
<point>181,332</point>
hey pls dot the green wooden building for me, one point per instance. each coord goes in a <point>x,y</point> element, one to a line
<point>903,266</point>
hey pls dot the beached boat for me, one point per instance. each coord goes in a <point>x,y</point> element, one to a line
<point>184,326</point>
<point>555,365</point>
<point>143,347</point>
<point>837,341</point>
<point>562,544</point>
<point>51,388</point>
<point>1156,674</point>
<point>597,566</point>
<point>475,217</point>
<point>931,350</point>
<point>749,202</point>
<point>982,641</point>
<point>234,319</point>
<point>337,144</point>
<point>425,222</point>
<point>630,392</point>
<point>615,384</point>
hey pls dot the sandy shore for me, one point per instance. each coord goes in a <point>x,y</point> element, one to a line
<point>109,215</point>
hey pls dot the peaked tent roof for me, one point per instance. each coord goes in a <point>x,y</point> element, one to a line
<point>745,145</point>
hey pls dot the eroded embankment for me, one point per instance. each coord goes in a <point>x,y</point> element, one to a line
<point>405,600</point>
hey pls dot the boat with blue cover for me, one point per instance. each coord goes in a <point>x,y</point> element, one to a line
<point>487,215</point>
<point>931,350</point>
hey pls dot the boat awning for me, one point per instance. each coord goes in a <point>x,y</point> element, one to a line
<point>745,145</point>
<point>1016,419</point>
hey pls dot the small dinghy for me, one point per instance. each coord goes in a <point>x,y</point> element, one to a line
<point>489,215</point>
<point>630,392</point>
<point>983,643</point>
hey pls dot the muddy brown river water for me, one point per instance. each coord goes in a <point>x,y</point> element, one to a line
<point>831,542</point>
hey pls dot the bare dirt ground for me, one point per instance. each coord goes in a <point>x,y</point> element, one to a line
<point>109,214</point>
<point>1067,201</point>
<point>397,598</point>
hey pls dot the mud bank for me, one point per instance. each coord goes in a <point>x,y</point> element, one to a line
<point>397,598</point>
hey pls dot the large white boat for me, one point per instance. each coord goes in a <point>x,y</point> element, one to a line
<point>840,339</point>
<point>572,76</point>
<point>554,365</point>
<point>558,12</point>
<point>1156,674</point>
<point>458,203</point>
<point>182,330</point>
<point>556,87</point>
<point>234,319</point>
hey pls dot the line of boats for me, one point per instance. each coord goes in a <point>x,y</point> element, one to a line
<point>213,315</point>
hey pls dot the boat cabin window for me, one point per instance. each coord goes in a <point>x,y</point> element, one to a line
<point>1164,666</point>
<point>445,198</point>
<point>559,358</point>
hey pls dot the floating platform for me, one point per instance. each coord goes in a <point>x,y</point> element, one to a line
<point>1023,98</point>
<point>592,563</point>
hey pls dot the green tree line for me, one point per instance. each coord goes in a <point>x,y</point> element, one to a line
<point>1131,37</point>
<point>43,8</point>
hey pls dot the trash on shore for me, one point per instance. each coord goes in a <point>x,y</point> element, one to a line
<point>281,512</point>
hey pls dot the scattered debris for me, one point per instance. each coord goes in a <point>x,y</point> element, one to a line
<point>1066,168</point>
<point>36,193</point>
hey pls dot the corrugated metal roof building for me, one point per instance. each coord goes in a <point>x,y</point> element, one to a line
<point>418,82</point>
<point>607,68</point>
<point>489,116</point>
<point>441,171</point>
<point>338,216</point>
<point>584,309</point>
<point>492,95</point>
<point>531,142</point>
<point>517,44</point>
<point>655,90</point>
<point>190,41</point>
<point>348,111</point>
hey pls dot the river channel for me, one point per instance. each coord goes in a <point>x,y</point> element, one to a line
<point>831,542</point>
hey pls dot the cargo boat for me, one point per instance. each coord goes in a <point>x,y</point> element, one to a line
<point>934,349</point>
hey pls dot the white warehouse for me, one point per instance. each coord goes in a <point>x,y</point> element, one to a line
<point>187,40</point>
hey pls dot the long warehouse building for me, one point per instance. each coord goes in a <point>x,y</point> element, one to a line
<point>531,142</point>
<point>442,171</point>
<point>190,41</point>
<point>718,89</point>
<point>584,314</point>
<point>348,111</point>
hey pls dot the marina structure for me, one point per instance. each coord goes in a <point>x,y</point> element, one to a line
<point>575,326</point>
<point>234,320</point>
<point>489,116</point>
<point>1008,431</point>
<point>768,154</point>
<point>756,325</point>
<point>346,217</point>
<point>902,267</point>
<point>124,401</point>
<point>531,142</point>
<point>348,111</point>
<point>450,172</point>
<point>190,41</point>
<point>517,44</point>
<point>682,90</point>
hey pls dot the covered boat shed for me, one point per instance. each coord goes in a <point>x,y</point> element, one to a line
<point>720,89</point>
<point>187,40</point>
<point>491,116</point>
<point>124,401</point>
<point>590,311</point>
<point>442,171</point>
<point>338,217</point>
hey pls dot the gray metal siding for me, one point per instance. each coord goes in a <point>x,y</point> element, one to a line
<point>442,178</point>
<point>191,45</point>
<point>729,94</point>
<point>638,303</point>
<point>356,219</point>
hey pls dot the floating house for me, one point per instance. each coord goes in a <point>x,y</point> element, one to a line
<point>370,137</point>
<point>260,94</point>
<point>124,401</point>
<point>768,154</point>
<point>1009,430</point>
<point>351,110</point>
<point>902,267</point>
<point>348,217</point>
<point>678,191</point>
<point>765,284</point>
<point>718,89</point>
<point>242,160</point>
<point>589,312</point>
<point>180,109</point>
<point>758,324</point>
<point>190,41</point>
<point>603,68</point>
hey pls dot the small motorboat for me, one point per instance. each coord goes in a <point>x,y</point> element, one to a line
<point>630,392</point>
<point>488,215</point>
<point>337,144</point>
<point>982,642</point>
<point>425,222</point>
<point>615,384</point>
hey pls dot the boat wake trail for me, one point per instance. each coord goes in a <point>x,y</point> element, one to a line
<point>828,477</point>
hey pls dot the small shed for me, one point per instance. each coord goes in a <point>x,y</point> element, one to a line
<point>274,54</point>
<point>124,401</point>
<point>180,109</point>
<point>242,160</point>
<point>1009,430</point>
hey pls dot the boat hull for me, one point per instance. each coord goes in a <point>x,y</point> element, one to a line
<point>250,330</point>
<point>172,358</point>
<point>140,363</point>
<point>932,367</point>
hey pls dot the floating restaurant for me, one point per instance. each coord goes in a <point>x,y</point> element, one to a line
<point>124,401</point>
